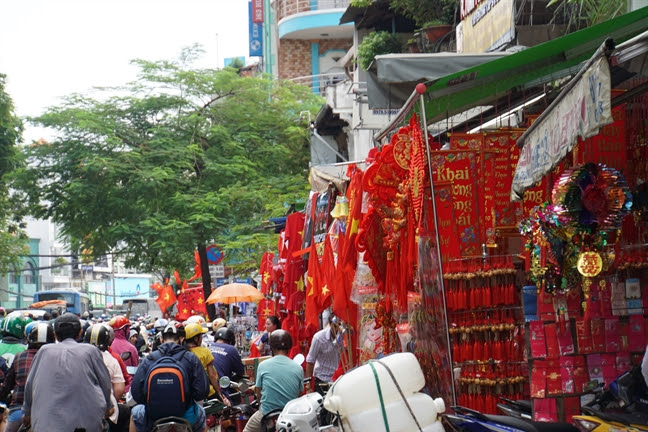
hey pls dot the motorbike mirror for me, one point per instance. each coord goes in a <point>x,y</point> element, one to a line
<point>125,355</point>
<point>224,382</point>
<point>299,359</point>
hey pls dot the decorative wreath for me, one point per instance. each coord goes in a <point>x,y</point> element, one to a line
<point>593,197</point>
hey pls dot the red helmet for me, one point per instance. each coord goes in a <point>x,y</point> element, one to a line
<point>118,322</point>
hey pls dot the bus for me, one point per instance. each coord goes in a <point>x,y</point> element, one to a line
<point>75,301</point>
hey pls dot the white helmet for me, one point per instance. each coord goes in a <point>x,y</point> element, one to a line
<point>196,319</point>
<point>160,324</point>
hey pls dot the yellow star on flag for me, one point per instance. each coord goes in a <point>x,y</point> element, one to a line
<point>300,284</point>
<point>167,297</point>
<point>185,310</point>
<point>266,311</point>
<point>325,289</point>
<point>200,301</point>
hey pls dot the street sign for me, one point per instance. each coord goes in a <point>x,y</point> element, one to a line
<point>217,271</point>
<point>214,254</point>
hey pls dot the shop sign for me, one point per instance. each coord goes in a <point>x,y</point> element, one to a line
<point>257,11</point>
<point>487,26</point>
<point>584,109</point>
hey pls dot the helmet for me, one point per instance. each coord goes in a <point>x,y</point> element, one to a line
<point>118,322</point>
<point>40,332</point>
<point>14,325</point>
<point>3,312</point>
<point>225,334</point>
<point>68,319</point>
<point>196,319</point>
<point>30,326</point>
<point>194,329</point>
<point>98,335</point>
<point>218,323</point>
<point>85,324</point>
<point>160,324</point>
<point>174,327</point>
<point>280,340</point>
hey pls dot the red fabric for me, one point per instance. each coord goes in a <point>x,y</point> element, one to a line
<point>197,269</point>
<point>266,272</point>
<point>327,275</point>
<point>176,276</point>
<point>190,302</point>
<point>122,366</point>
<point>294,265</point>
<point>312,288</point>
<point>254,349</point>
<point>166,297</point>
<point>265,308</point>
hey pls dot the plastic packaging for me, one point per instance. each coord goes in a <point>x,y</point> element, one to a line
<point>357,390</point>
<point>398,417</point>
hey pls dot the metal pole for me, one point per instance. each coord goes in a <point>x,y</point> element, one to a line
<point>421,91</point>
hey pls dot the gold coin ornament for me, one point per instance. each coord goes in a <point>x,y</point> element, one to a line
<point>589,264</point>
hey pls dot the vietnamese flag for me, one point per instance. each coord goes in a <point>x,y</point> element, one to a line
<point>266,272</point>
<point>312,288</point>
<point>327,275</point>
<point>197,269</point>
<point>166,297</point>
<point>265,308</point>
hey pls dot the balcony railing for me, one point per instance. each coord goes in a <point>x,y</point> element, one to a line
<point>290,7</point>
<point>319,83</point>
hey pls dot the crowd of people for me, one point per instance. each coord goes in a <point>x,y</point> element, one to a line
<point>88,360</point>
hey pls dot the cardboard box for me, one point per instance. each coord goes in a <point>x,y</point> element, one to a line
<point>251,365</point>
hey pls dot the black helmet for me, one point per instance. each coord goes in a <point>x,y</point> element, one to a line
<point>226,334</point>
<point>68,319</point>
<point>41,333</point>
<point>98,335</point>
<point>280,340</point>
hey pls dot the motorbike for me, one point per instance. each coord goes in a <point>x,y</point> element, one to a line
<point>467,420</point>
<point>621,406</point>
<point>302,415</point>
<point>516,408</point>
<point>220,417</point>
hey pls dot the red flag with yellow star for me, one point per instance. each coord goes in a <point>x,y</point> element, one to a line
<point>312,288</point>
<point>166,297</point>
<point>265,308</point>
<point>266,272</point>
<point>191,302</point>
<point>327,275</point>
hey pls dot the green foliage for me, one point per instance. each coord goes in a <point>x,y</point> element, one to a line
<point>377,43</point>
<point>13,241</point>
<point>427,11</point>
<point>178,159</point>
<point>578,14</point>
<point>361,3</point>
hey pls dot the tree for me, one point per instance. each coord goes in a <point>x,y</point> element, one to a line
<point>176,161</point>
<point>13,241</point>
<point>578,14</point>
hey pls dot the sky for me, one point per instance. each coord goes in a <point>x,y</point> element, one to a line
<point>52,48</point>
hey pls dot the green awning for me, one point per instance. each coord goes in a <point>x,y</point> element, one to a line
<point>538,65</point>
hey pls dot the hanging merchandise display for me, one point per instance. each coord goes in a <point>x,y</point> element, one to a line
<point>586,324</point>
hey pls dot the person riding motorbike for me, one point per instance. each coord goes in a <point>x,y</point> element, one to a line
<point>37,335</point>
<point>121,326</point>
<point>13,332</point>
<point>227,359</point>
<point>278,379</point>
<point>173,336</point>
<point>99,336</point>
<point>193,341</point>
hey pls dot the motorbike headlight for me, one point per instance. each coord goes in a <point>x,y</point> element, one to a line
<point>585,425</point>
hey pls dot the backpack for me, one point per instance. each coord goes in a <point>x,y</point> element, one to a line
<point>167,387</point>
